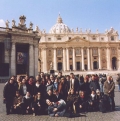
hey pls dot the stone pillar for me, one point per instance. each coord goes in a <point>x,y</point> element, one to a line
<point>88,56</point>
<point>31,60</point>
<point>7,56</point>
<point>108,59</point>
<point>91,57</point>
<point>99,52</point>
<point>74,63</point>
<point>36,60</point>
<point>64,59</point>
<point>13,60</point>
<point>55,60</point>
<point>82,59</point>
<point>44,55</point>
<point>67,55</point>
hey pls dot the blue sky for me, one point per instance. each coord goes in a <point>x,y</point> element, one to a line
<point>85,14</point>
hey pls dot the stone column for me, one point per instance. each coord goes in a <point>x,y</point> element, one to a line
<point>82,59</point>
<point>67,55</point>
<point>88,56</point>
<point>91,57</point>
<point>55,60</point>
<point>13,60</point>
<point>64,59</point>
<point>36,60</point>
<point>108,59</point>
<point>74,63</point>
<point>44,55</point>
<point>99,55</point>
<point>31,60</point>
<point>7,52</point>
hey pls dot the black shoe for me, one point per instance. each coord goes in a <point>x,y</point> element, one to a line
<point>7,113</point>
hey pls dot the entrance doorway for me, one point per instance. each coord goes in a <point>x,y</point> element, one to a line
<point>59,66</point>
<point>71,67</point>
<point>85,66</point>
<point>95,65</point>
<point>78,66</point>
<point>22,59</point>
<point>114,63</point>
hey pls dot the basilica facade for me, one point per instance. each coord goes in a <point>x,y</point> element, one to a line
<point>25,51</point>
<point>63,49</point>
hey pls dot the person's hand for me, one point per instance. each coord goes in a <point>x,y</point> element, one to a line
<point>91,103</point>
<point>56,115</point>
<point>28,107</point>
<point>33,109</point>
<point>39,105</point>
<point>108,91</point>
<point>68,93</point>
<point>55,109</point>
<point>76,92</point>
<point>80,106</point>
<point>14,107</point>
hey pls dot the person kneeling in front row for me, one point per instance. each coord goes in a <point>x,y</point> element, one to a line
<point>56,109</point>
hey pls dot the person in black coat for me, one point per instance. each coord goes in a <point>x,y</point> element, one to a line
<point>92,101</point>
<point>27,103</point>
<point>37,87</point>
<point>30,86</point>
<point>82,102</point>
<point>94,84</point>
<point>86,87</point>
<point>57,94</point>
<point>9,94</point>
<point>81,83</point>
<point>38,105</point>
<point>50,96</point>
<point>73,83</point>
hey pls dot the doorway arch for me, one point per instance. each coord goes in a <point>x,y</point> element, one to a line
<point>114,63</point>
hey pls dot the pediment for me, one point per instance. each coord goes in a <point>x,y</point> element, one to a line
<point>77,39</point>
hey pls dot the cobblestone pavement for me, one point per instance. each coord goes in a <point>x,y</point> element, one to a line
<point>94,116</point>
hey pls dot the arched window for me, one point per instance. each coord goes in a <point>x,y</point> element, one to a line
<point>112,38</point>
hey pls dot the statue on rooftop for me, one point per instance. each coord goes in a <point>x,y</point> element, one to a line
<point>13,23</point>
<point>7,24</point>
<point>31,25</point>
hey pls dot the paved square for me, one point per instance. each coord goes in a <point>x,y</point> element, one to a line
<point>94,116</point>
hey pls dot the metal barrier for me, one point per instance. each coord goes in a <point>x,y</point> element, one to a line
<point>3,80</point>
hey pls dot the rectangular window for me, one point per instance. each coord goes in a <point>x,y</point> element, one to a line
<point>94,38</point>
<point>84,37</point>
<point>59,38</point>
<point>49,39</point>
<point>69,38</point>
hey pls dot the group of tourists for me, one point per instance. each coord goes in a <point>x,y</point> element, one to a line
<point>58,95</point>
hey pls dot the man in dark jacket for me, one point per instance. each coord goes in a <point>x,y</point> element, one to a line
<point>73,83</point>
<point>8,95</point>
<point>94,84</point>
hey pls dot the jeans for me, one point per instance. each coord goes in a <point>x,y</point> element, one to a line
<point>101,88</point>
<point>112,103</point>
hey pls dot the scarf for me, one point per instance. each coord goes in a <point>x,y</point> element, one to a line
<point>27,97</point>
<point>93,96</point>
<point>37,85</point>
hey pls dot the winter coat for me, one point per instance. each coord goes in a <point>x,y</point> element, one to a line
<point>109,87</point>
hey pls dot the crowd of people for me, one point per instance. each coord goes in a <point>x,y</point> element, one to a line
<point>58,95</point>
